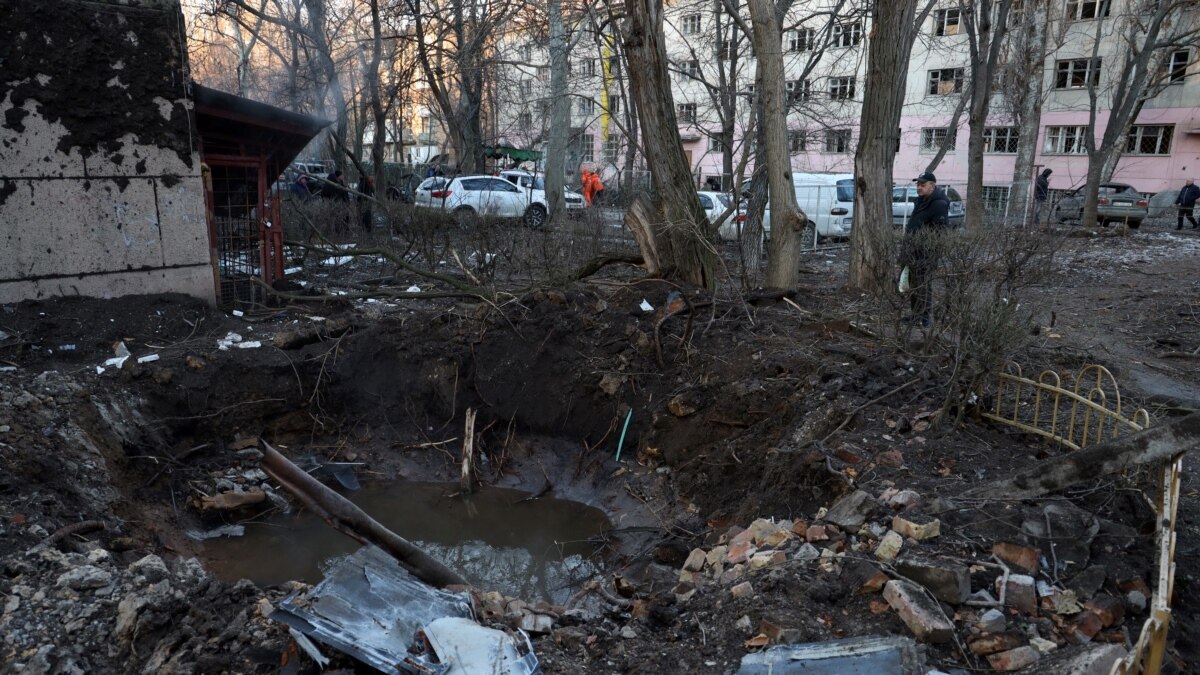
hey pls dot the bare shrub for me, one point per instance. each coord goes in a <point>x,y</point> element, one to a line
<point>982,311</point>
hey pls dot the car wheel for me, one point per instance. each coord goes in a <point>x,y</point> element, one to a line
<point>466,216</point>
<point>1135,224</point>
<point>535,216</point>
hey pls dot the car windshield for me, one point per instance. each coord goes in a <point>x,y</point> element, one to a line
<point>725,199</point>
<point>1117,190</point>
<point>845,190</point>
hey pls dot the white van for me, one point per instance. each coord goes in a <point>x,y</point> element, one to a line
<point>826,198</point>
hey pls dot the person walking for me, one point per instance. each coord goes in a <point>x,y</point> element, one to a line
<point>1186,201</point>
<point>1041,190</point>
<point>929,218</point>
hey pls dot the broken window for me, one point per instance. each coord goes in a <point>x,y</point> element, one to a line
<point>801,40</point>
<point>1080,10</point>
<point>841,88</point>
<point>945,81</point>
<point>1149,139</point>
<point>1177,66</point>
<point>946,22</point>
<point>1065,141</point>
<point>715,144</point>
<point>1077,73</point>
<point>801,90</point>
<point>837,140</point>
<point>847,34</point>
<point>686,112</point>
<point>691,24</point>
<point>797,140</point>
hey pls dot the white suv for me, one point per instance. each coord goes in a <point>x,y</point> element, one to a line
<point>534,188</point>
<point>469,197</point>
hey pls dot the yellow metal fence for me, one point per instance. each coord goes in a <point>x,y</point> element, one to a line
<point>1090,412</point>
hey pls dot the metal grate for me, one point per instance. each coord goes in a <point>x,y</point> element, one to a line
<point>236,201</point>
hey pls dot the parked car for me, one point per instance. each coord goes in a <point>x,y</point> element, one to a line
<point>1116,203</point>
<point>826,198</point>
<point>471,197</point>
<point>904,200</point>
<point>533,188</point>
<point>715,204</point>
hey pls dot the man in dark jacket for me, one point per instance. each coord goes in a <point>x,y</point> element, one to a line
<point>1041,190</point>
<point>1186,201</point>
<point>929,218</point>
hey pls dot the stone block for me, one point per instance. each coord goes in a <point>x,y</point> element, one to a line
<point>767,559</point>
<point>921,614</point>
<point>947,582</point>
<point>1110,610</point>
<point>695,560</point>
<point>742,590</point>
<point>716,555</point>
<point>992,643</point>
<point>816,533</point>
<point>739,552</point>
<point>863,576</point>
<point>992,621</point>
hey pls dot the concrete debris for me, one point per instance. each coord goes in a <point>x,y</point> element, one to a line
<point>855,656</point>
<point>917,528</point>
<point>889,547</point>
<point>1014,659</point>
<point>948,582</point>
<point>851,511</point>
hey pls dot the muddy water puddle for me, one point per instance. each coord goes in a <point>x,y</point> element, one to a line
<point>497,538</point>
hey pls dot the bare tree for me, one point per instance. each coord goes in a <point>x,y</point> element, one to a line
<point>893,31</point>
<point>987,24</point>
<point>1148,30</point>
<point>680,224</point>
<point>1023,83</point>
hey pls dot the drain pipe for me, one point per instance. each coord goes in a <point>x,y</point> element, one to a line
<point>345,517</point>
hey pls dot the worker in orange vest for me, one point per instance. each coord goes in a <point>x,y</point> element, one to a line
<point>592,187</point>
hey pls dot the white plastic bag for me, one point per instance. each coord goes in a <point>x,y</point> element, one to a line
<point>905,286</point>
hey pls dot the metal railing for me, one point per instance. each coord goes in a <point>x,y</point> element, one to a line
<point>1088,414</point>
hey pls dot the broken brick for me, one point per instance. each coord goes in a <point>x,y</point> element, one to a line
<point>889,547</point>
<point>863,576</point>
<point>921,614</point>
<point>1087,626</point>
<point>1017,555</point>
<point>1020,594</point>
<point>742,590</point>
<point>1014,659</point>
<point>739,552</point>
<point>994,643</point>
<point>695,560</point>
<point>1110,610</point>
<point>917,528</point>
<point>816,533</point>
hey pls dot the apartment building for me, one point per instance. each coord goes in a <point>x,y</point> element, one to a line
<point>824,45</point>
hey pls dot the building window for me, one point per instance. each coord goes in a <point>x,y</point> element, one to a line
<point>933,139</point>
<point>612,147</point>
<point>585,106</point>
<point>801,40</point>
<point>837,140</point>
<point>797,140</point>
<point>526,88</point>
<point>801,90</point>
<point>689,69</point>
<point>841,88</point>
<point>527,52</point>
<point>1080,10</point>
<point>1149,139</point>
<point>750,91</point>
<point>1177,68</point>
<point>691,24</point>
<point>1065,141</point>
<point>946,22</point>
<point>1000,140</point>
<point>847,34</point>
<point>543,73</point>
<point>715,144</point>
<point>525,121</point>
<point>540,106</point>
<point>426,124</point>
<point>727,50</point>
<point>587,148</point>
<point>1076,73</point>
<point>945,81</point>
<point>686,112</point>
<point>614,104</point>
<point>587,67</point>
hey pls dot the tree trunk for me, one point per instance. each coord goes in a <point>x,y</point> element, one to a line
<point>350,520</point>
<point>685,252</point>
<point>1029,50</point>
<point>985,39</point>
<point>1152,445</point>
<point>892,33</point>
<point>556,150</point>
<point>751,243</point>
<point>790,228</point>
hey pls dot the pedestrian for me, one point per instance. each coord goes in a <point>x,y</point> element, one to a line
<point>586,186</point>
<point>597,188</point>
<point>1041,190</point>
<point>1186,202</point>
<point>335,187</point>
<point>713,184</point>
<point>920,251</point>
<point>301,189</point>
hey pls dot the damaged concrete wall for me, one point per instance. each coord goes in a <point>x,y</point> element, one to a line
<point>100,184</point>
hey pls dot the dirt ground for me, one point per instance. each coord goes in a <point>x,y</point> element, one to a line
<point>739,409</point>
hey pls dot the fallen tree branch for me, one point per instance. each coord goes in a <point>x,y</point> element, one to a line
<point>599,262</point>
<point>345,517</point>
<point>1152,445</point>
<point>397,295</point>
<point>394,259</point>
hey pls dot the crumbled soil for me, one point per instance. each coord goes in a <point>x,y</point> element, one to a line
<point>745,410</point>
